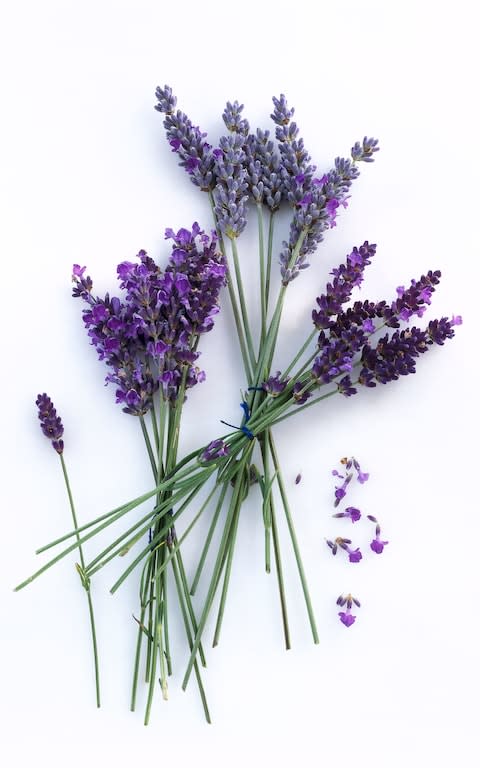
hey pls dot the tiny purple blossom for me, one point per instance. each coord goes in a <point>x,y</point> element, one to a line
<point>377,545</point>
<point>214,450</point>
<point>351,512</point>
<point>347,618</point>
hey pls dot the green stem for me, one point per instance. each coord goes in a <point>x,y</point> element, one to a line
<point>281,585</point>
<point>300,353</point>
<point>190,639</point>
<point>208,540</point>
<point>233,300</point>
<point>148,443</point>
<point>269,259</point>
<point>263,294</point>
<point>85,581</point>
<point>291,528</point>
<point>228,570</point>
<point>218,565</point>
<point>141,631</point>
<point>243,305</point>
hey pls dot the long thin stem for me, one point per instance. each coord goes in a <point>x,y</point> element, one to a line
<point>243,304</point>
<point>281,585</point>
<point>300,353</point>
<point>233,300</point>
<point>228,570</point>
<point>208,540</point>
<point>190,639</point>
<point>218,564</point>
<point>141,630</point>
<point>263,291</point>
<point>269,259</point>
<point>293,536</point>
<point>85,581</point>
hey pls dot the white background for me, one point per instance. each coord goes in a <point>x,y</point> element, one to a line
<point>87,177</point>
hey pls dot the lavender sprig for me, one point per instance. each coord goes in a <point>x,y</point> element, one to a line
<point>52,428</point>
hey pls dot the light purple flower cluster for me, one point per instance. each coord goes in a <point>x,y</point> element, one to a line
<point>251,164</point>
<point>50,423</point>
<point>148,339</point>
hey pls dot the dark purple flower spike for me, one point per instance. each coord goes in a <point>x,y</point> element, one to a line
<point>50,423</point>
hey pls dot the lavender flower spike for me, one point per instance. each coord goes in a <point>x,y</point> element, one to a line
<point>50,423</point>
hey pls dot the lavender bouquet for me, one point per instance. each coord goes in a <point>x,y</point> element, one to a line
<point>350,345</point>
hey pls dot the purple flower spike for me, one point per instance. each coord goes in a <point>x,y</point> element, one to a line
<point>50,423</point>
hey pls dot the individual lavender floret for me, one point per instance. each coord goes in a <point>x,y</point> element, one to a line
<point>349,464</point>
<point>274,385</point>
<point>376,544</point>
<point>352,513</point>
<point>354,555</point>
<point>346,617</point>
<point>232,117</point>
<point>345,277</point>
<point>187,141</point>
<point>50,423</point>
<point>300,393</point>
<point>230,193</point>
<point>362,152</point>
<point>214,450</point>
<point>341,490</point>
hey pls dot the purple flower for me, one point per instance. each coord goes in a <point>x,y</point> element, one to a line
<point>346,617</point>
<point>337,293</point>
<point>377,544</point>
<point>362,152</point>
<point>300,393</point>
<point>274,385</point>
<point>148,339</point>
<point>230,193</point>
<point>50,423</point>
<point>354,555</point>
<point>187,141</point>
<point>214,450</point>
<point>352,512</point>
